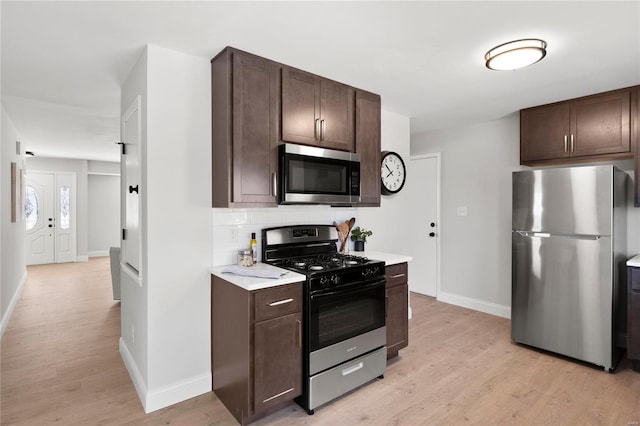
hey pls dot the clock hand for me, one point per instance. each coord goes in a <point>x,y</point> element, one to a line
<point>387,166</point>
<point>390,173</point>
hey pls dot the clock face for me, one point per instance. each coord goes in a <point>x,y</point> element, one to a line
<point>392,173</point>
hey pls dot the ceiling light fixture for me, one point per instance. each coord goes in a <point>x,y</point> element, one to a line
<point>516,54</point>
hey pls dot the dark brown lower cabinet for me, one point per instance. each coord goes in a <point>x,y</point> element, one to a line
<point>397,308</point>
<point>633,317</point>
<point>256,347</point>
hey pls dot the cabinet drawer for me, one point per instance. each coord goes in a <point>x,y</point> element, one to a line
<point>277,301</point>
<point>396,274</point>
<point>634,279</point>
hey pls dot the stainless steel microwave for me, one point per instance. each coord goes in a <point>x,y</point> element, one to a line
<point>310,175</point>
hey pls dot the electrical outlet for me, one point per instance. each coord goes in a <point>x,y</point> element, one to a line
<point>462,210</point>
<point>133,334</point>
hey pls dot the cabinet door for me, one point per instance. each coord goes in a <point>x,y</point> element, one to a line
<point>254,129</point>
<point>337,117</point>
<point>368,146</point>
<point>633,314</point>
<point>397,319</point>
<point>600,124</point>
<point>300,107</point>
<point>277,360</point>
<point>544,132</point>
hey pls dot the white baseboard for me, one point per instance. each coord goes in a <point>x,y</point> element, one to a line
<point>475,304</point>
<point>169,395</point>
<point>134,373</point>
<point>179,392</point>
<point>82,258</point>
<point>99,253</point>
<point>12,304</point>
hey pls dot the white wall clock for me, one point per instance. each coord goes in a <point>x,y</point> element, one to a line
<point>393,173</point>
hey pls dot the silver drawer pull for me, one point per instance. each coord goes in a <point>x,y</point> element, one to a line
<point>397,275</point>
<point>275,396</point>
<point>280,302</point>
<point>352,369</point>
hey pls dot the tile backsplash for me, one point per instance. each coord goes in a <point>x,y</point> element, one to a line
<point>232,228</point>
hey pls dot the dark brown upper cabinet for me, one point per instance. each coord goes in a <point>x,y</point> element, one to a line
<point>245,91</point>
<point>317,111</point>
<point>591,128</point>
<point>368,138</point>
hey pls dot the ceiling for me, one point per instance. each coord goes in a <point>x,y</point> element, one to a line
<point>63,63</point>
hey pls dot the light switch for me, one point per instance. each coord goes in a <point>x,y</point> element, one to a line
<point>462,210</point>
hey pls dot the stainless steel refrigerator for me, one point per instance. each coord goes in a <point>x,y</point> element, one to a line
<point>568,248</point>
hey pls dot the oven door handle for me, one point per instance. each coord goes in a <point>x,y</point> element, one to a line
<point>353,288</point>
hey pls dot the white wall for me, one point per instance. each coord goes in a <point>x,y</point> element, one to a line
<point>80,168</point>
<point>477,162</point>
<point>103,209</point>
<point>476,167</point>
<point>390,231</point>
<point>133,297</point>
<point>13,271</point>
<point>176,231</point>
<point>232,228</point>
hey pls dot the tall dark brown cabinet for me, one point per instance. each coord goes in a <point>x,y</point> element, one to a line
<point>368,140</point>
<point>244,129</point>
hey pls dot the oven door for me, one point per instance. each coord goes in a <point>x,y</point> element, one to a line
<point>318,176</point>
<point>346,312</point>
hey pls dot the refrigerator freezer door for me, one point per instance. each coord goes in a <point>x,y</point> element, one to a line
<point>559,303</point>
<point>576,200</point>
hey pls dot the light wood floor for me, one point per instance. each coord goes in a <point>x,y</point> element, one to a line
<point>60,365</point>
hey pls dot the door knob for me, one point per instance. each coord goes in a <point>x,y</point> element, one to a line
<point>432,234</point>
<point>133,189</point>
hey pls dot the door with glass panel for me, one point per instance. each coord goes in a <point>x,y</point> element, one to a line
<point>50,210</point>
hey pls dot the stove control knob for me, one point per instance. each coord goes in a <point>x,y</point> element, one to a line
<point>325,282</point>
<point>336,280</point>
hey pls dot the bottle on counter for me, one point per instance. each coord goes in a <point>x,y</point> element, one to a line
<point>253,246</point>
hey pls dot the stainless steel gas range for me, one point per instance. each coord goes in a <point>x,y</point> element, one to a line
<point>344,311</point>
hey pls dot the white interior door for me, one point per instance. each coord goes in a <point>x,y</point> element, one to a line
<point>131,134</point>
<point>40,218</point>
<point>423,184</point>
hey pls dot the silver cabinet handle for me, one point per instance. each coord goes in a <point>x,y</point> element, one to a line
<point>274,182</point>
<point>277,395</point>
<point>323,127</point>
<point>571,142</point>
<point>397,275</point>
<point>352,369</point>
<point>299,325</point>
<point>565,143</point>
<point>316,130</point>
<point>280,302</point>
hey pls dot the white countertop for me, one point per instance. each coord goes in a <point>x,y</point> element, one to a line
<point>635,261</point>
<point>389,258</point>
<point>255,283</point>
<point>287,277</point>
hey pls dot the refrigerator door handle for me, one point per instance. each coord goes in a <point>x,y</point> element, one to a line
<point>549,235</point>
